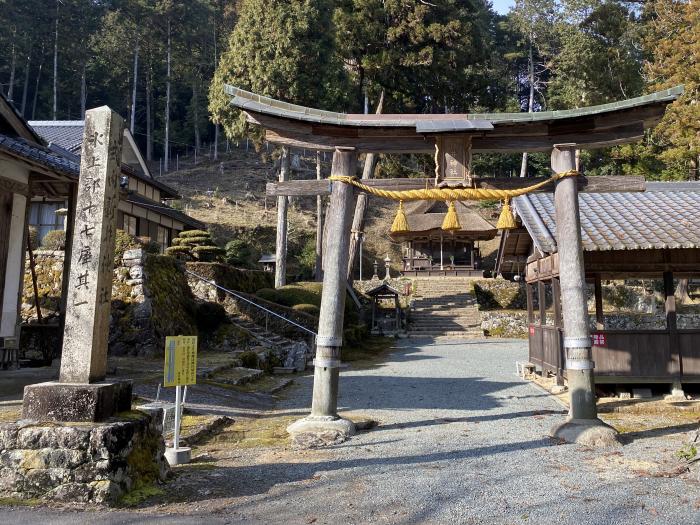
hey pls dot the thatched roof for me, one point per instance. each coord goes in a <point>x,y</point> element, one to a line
<point>427,216</point>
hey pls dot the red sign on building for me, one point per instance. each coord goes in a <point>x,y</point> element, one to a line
<point>599,339</point>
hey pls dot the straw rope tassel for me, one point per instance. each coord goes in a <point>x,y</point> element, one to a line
<point>506,221</point>
<point>400,224</point>
<point>451,222</point>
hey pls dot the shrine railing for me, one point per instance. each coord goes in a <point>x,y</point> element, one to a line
<point>251,303</point>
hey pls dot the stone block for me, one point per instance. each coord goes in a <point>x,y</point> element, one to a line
<point>136,272</point>
<point>8,436</point>
<point>119,454</point>
<point>76,402</point>
<point>60,437</point>
<point>133,254</point>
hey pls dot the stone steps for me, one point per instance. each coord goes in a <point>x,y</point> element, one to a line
<point>444,308</point>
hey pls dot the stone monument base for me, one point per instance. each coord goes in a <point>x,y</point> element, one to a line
<point>76,401</point>
<point>86,463</point>
<point>588,432</point>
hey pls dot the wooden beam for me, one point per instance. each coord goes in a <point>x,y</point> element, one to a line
<point>14,186</point>
<point>601,184</point>
<point>513,138</point>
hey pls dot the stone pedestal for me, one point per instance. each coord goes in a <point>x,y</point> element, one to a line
<point>86,463</point>
<point>588,432</point>
<point>76,402</point>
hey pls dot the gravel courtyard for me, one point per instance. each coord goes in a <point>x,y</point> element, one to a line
<point>461,439</point>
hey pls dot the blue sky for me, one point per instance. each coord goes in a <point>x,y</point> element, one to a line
<point>502,6</point>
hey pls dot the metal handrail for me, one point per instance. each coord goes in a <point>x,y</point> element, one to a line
<point>238,296</point>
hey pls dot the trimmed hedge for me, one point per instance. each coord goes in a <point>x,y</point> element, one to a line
<point>310,309</point>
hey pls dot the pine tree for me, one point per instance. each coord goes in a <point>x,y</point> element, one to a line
<point>282,49</point>
<point>674,47</point>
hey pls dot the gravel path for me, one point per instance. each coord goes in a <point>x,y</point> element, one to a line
<point>461,440</point>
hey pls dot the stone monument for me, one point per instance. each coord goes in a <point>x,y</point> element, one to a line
<point>72,444</point>
<point>81,393</point>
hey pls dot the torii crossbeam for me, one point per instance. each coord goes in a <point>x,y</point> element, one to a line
<point>453,138</point>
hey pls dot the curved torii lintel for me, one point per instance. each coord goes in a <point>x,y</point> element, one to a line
<point>591,127</point>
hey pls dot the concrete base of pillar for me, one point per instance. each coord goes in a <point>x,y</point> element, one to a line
<point>178,456</point>
<point>588,432</point>
<point>76,402</point>
<point>316,431</point>
<point>677,393</point>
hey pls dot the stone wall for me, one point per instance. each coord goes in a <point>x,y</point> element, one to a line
<point>514,323</point>
<point>240,280</point>
<point>499,294</point>
<point>89,463</point>
<point>150,299</point>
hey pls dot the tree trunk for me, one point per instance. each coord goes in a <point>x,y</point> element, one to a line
<point>281,241</point>
<point>132,119</point>
<point>83,93</point>
<point>216,142</point>
<point>36,86</point>
<point>358,221</point>
<point>166,149</point>
<point>13,66</point>
<point>149,123</point>
<point>682,291</point>
<point>195,110</point>
<point>530,100</point>
<point>25,87</point>
<point>55,67</point>
<point>216,126</point>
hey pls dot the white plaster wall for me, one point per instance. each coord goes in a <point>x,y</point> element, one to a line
<point>13,275</point>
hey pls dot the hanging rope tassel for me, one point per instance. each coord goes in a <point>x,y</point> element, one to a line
<point>506,221</point>
<point>400,224</point>
<point>451,222</point>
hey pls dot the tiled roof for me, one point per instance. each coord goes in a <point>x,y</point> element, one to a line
<point>657,219</point>
<point>162,209</point>
<point>39,154</point>
<point>66,133</point>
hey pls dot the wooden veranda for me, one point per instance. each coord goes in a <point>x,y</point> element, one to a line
<point>653,235</point>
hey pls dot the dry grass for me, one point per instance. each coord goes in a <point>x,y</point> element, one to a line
<point>234,200</point>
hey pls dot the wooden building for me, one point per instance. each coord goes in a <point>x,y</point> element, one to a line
<point>28,170</point>
<point>647,235</point>
<point>144,206</point>
<point>430,251</point>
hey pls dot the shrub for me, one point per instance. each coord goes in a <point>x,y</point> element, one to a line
<point>195,244</point>
<point>54,240</point>
<point>179,252</point>
<point>33,237</point>
<point>311,309</point>
<point>194,233</point>
<point>249,359</point>
<point>196,241</point>
<point>207,253</point>
<point>122,242</point>
<point>210,316</point>
<point>237,253</point>
<point>269,294</point>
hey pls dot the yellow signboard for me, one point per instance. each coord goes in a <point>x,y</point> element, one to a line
<point>180,360</point>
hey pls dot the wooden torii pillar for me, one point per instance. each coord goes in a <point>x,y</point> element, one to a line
<point>324,406</point>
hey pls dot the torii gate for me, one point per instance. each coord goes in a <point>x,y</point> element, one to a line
<point>453,138</point>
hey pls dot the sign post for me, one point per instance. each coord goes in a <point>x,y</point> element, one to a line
<point>180,369</point>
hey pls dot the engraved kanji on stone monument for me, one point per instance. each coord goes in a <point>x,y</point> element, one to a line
<point>84,358</point>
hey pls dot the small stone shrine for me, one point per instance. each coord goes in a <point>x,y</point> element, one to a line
<point>72,443</point>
